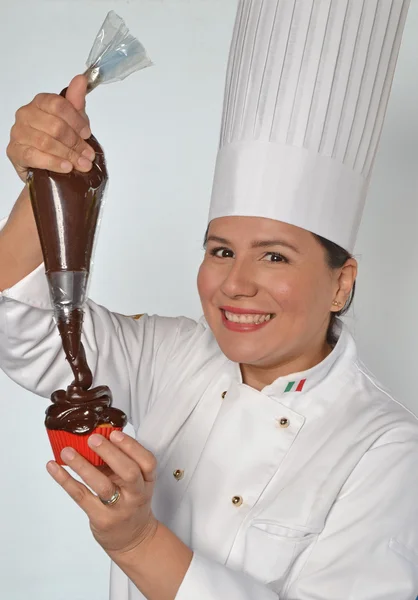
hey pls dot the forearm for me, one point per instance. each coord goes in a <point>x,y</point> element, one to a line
<point>20,249</point>
<point>158,566</point>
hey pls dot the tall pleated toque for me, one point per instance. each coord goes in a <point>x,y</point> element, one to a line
<point>307,88</point>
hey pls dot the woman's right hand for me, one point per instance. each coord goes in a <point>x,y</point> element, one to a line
<point>50,133</point>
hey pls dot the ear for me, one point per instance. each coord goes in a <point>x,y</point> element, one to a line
<point>345,281</point>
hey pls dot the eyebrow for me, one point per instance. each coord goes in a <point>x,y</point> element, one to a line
<point>256,244</point>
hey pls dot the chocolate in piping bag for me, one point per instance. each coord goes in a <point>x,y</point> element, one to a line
<point>67,209</point>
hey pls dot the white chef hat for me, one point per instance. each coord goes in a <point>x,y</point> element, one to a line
<point>307,87</point>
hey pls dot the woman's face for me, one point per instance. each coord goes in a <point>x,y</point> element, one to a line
<point>267,290</point>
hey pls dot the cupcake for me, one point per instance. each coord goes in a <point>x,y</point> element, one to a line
<point>75,414</point>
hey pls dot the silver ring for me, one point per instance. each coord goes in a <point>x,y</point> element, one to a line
<point>111,500</point>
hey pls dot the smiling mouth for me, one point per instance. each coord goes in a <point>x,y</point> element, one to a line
<point>250,319</point>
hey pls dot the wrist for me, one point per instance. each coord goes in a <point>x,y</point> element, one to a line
<point>137,545</point>
<point>157,565</point>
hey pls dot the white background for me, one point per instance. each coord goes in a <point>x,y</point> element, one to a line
<point>160,132</point>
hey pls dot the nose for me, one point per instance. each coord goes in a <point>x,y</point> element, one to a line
<point>239,281</point>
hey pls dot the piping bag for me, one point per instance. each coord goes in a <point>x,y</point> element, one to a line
<point>67,210</point>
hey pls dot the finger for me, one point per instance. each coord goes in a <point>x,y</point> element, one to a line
<point>97,481</point>
<point>61,131</point>
<point>140,455</point>
<point>132,467</point>
<point>28,156</point>
<point>49,145</point>
<point>76,92</point>
<point>60,107</point>
<point>76,490</point>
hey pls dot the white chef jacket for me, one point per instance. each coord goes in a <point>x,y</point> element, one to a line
<point>306,490</point>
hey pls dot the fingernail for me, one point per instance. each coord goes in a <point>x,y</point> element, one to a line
<point>85,132</point>
<point>89,153</point>
<point>116,436</point>
<point>84,163</point>
<point>52,467</point>
<point>95,440</point>
<point>66,166</point>
<point>67,454</point>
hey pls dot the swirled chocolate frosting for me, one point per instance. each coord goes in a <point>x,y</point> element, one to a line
<point>81,411</point>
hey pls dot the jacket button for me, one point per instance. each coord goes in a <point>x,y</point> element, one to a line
<point>283,422</point>
<point>237,500</point>
<point>178,474</point>
<point>224,394</point>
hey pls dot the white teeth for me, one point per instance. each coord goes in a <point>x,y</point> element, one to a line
<point>247,319</point>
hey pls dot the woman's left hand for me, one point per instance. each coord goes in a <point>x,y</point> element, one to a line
<point>124,525</point>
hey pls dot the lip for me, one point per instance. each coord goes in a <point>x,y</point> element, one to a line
<point>243,327</point>
<point>244,311</point>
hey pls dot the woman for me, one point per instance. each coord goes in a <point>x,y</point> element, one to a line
<point>268,463</point>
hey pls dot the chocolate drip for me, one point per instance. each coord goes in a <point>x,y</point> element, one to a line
<point>70,330</point>
<point>78,409</point>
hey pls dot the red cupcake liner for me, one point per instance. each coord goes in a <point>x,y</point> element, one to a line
<point>62,439</point>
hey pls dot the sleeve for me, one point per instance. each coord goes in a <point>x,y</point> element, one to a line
<point>368,549</point>
<point>208,580</point>
<point>124,353</point>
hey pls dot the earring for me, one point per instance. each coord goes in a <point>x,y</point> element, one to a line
<point>336,303</point>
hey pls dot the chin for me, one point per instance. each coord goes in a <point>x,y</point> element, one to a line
<point>243,353</point>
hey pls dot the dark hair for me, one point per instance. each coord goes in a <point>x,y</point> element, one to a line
<point>336,258</point>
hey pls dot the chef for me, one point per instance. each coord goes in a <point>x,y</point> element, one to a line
<point>268,462</point>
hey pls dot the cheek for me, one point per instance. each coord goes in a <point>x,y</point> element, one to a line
<point>206,283</point>
<point>296,293</point>
<point>288,293</point>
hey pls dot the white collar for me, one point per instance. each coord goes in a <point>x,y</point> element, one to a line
<point>290,389</point>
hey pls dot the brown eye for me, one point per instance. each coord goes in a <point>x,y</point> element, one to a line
<point>274,257</point>
<point>222,253</point>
